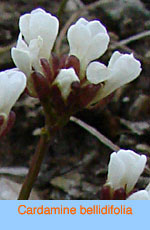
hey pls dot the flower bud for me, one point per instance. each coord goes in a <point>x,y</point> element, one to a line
<point>124,169</point>
<point>64,80</point>
<point>122,69</point>
<point>12,84</point>
<point>87,40</point>
<point>38,31</point>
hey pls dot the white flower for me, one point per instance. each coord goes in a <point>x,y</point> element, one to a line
<point>12,84</point>
<point>38,31</point>
<point>124,169</point>
<point>122,69</point>
<point>64,80</point>
<point>87,40</point>
<point>141,195</point>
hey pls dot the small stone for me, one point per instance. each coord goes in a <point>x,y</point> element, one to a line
<point>69,183</point>
<point>125,140</point>
<point>139,128</point>
<point>144,148</point>
<point>140,110</point>
<point>9,190</point>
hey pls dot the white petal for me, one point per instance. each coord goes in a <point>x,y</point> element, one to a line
<point>128,66</point>
<point>24,26</point>
<point>87,40</point>
<point>35,46</point>
<point>26,57</point>
<point>3,85</point>
<point>12,84</point>
<point>82,21</point>
<point>139,168</point>
<point>35,55</point>
<point>134,166</point>
<point>115,56</point>
<point>21,43</point>
<point>21,56</point>
<point>64,80</point>
<point>46,26</point>
<point>96,27</point>
<point>148,188</point>
<point>96,72</point>
<point>116,171</point>
<point>22,60</point>
<point>124,70</point>
<point>124,169</point>
<point>140,195</point>
<point>38,10</point>
<point>97,47</point>
<point>40,23</point>
<point>79,39</point>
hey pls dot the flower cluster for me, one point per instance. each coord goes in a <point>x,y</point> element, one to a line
<point>64,84</point>
<point>124,170</point>
<point>74,81</point>
<point>67,84</point>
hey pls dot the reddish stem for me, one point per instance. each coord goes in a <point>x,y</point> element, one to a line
<point>34,168</point>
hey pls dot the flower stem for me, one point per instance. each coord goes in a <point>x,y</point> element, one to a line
<point>35,167</point>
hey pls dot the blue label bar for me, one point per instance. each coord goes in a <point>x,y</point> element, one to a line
<point>74,214</point>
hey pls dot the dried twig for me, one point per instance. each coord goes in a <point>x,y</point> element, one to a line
<point>123,45</point>
<point>96,133</point>
<point>63,33</point>
<point>96,4</point>
<point>61,8</point>
<point>131,39</point>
